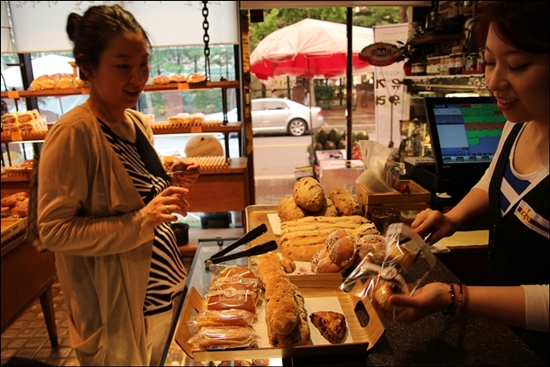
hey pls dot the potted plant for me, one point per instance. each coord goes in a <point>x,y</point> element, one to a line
<point>410,54</point>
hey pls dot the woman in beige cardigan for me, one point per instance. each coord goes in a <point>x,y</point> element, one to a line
<point>105,201</point>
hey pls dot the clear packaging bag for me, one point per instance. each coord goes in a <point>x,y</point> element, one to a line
<point>394,274</point>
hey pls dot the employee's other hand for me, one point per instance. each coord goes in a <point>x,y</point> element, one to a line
<point>433,223</point>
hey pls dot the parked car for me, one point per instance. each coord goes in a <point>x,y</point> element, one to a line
<point>272,115</point>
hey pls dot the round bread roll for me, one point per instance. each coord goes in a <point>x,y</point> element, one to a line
<point>326,265</point>
<point>335,236</point>
<point>402,255</point>
<point>365,229</point>
<point>374,244</point>
<point>309,194</point>
<point>9,201</point>
<point>321,254</point>
<point>383,292</point>
<point>342,253</point>
<point>288,210</point>
<point>231,295</point>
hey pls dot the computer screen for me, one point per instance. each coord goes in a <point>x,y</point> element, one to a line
<point>464,132</point>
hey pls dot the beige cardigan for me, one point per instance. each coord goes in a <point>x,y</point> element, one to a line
<point>91,215</point>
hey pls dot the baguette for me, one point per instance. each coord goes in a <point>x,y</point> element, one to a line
<point>351,219</point>
<point>281,310</point>
<point>302,253</point>
<point>301,335</point>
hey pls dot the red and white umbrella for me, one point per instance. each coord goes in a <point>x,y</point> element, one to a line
<point>310,48</point>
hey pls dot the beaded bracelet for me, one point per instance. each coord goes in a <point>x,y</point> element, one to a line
<point>451,307</point>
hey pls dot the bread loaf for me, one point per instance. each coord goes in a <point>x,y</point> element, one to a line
<point>345,202</point>
<point>301,334</point>
<point>329,210</point>
<point>309,194</point>
<point>288,210</point>
<point>284,305</point>
<point>231,295</point>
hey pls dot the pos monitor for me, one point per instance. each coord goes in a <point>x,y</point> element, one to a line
<point>464,133</point>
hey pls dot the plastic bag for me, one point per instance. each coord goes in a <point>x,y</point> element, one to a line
<point>392,275</point>
<point>224,337</point>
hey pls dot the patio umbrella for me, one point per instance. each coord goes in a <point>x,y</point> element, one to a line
<point>313,48</point>
<point>310,48</point>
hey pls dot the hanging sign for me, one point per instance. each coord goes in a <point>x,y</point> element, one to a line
<point>380,54</point>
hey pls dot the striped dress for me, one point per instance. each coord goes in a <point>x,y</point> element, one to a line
<point>168,274</point>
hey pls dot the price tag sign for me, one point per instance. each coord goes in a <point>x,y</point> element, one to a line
<point>13,94</point>
<point>196,129</point>
<point>183,86</point>
<point>16,136</point>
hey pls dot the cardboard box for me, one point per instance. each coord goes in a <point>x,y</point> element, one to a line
<point>417,199</point>
<point>337,173</point>
<point>323,155</point>
<point>321,290</point>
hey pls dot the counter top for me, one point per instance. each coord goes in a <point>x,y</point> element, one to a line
<point>434,340</point>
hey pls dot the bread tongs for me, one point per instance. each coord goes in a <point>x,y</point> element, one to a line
<point>219,257</point>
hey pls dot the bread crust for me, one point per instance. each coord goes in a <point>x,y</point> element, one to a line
<point>288,210</point>
<point>309,194</point>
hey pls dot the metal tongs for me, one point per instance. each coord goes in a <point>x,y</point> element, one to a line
<point>219,257</point>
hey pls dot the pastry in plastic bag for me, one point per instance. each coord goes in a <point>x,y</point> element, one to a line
<point>229,317</point>
<point>224,337</point>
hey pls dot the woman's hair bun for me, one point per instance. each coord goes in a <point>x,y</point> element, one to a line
<point>72,24</point>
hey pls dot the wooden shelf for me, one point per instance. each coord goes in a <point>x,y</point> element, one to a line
<point>148,88</point>
<point>234,127</point>
<point>436,38</point>
<point>422,77</point>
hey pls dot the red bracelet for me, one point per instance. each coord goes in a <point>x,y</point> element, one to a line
<point>465,298</point>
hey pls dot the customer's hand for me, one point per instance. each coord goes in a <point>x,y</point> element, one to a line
<point>162,208</point>
<point>435,223</point>
<point>184,172</point>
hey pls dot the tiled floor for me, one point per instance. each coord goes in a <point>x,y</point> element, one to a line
<point>26,341</point>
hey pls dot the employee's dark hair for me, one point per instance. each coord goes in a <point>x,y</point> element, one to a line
<point>92,31</point>
<point>522,24</point>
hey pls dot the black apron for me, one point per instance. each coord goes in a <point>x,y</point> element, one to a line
<point>518,254</point>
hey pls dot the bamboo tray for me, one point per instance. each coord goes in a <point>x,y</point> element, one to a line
<point>321,293</point>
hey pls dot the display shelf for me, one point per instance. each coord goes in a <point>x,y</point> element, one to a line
<point>148,88</point>
<point>167,129</point>
<point>422,77</point>
<point>436,38</point>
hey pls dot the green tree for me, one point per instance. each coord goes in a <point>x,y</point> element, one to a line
<point>275,19</point>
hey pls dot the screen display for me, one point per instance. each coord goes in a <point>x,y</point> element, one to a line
<point>464,131</point>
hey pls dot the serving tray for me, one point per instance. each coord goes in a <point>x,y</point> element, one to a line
<point>321,293</point>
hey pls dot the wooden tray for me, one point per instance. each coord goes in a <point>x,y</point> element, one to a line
<point>12,227</point>
<point>359,339</point>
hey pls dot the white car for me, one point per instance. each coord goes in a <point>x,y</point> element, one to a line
<point>278,115</point>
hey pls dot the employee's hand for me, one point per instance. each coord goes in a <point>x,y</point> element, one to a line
<point>434,223</point>
<point>432,298</point>
<point>162,208</point>
<point>184,172</point>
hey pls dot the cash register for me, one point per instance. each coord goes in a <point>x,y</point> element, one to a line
<point>464,133</point>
